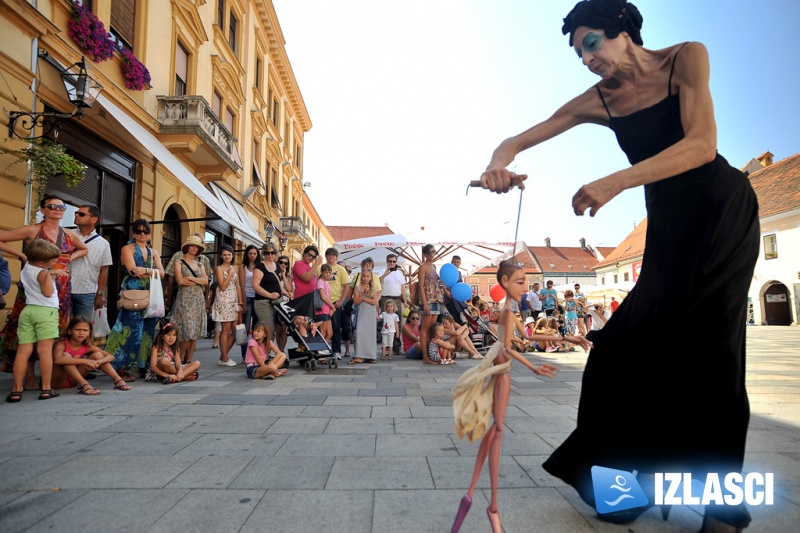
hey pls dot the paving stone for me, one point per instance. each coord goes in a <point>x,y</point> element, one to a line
<point>353,400</point>
<point>328,446</point>
<point>58,424</point>
<point>382,392</point>
<point>208,472</point>
<point>403,511</point>
<point>174,398</point>
<point>134,409</point>
<point>400,411</point>
<point>432,401</point>
<point>49,444</point>
<point>407,400</point>
<point>360,426</point>
<point>18,472</point>
<point>124,518</point>
<point>271,473</point>
<point>235,399</point>
<point>295,426</point>
<point>379,473</point>
<point>244,445</point>
<point>541,424</point>
<point>232,424</point>
<point>105,472</point>
<point>230,510</point>
<point>456,473</point>
<point>298,400</point>
<point>132,444</point>
<point>415,446</point>
<point>267,411</point>
<point>154,424</point>
<point>423,426</point>
<point>31,507</point>
<point>328,411</point>
<point>299,511</point>
<point>513,444</point>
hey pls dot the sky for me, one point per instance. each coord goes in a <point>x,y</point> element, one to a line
<point>409,99</point>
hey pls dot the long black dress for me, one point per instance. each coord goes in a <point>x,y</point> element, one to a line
<point>652,401</point>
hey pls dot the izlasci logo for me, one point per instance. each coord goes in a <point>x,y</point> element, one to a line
<point>616,490</point>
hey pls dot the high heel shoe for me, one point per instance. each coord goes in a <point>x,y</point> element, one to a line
<point>494,520</point>
<point>463,509</point>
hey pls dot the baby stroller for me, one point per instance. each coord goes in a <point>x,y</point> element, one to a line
<point>309,349</point>
<point>481,334</point>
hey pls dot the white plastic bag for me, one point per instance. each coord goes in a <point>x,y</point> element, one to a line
<point>100,326</point>
<point>156,307</point>
<point>241,334</point>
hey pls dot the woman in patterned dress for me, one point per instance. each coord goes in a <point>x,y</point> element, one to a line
<point>131,338</point>
<point>189,311</point>
<point>228,304</point>
<point>71,246</point>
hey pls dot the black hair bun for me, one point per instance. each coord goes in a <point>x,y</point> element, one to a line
<point>611,16</point>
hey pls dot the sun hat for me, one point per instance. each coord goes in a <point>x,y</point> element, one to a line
<point>529,320</point>
<point>193,240</point>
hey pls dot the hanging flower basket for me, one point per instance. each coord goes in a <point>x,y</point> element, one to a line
<point>89,33</point>
<point>49,159</point>
<point>137,77</point>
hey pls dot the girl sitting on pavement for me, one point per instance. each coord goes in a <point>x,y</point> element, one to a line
<point>75,356</point>
<point>459,336</point>
<point>257,361</point>
<point>439,350</point>
<point>165,361</point>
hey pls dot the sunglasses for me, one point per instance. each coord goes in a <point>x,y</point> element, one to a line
<point>56,207</point>
<point>413,318</point>
<point>283,263</point>
<point>390,262</point>
<point>270,252</point>
<point>312,256</point>
<point>141,232</point>
<point>81,214</point>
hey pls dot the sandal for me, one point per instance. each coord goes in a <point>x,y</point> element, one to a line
<point>49,393</point>
<point>356,361</point>
<point>370,361</point>
<point>281,373</point>
<point>126,376</point>
<point>123,386</point>
<point>88,392</point>
<point>477,356</point>
<point>14,396</point>
<point>166,381</point>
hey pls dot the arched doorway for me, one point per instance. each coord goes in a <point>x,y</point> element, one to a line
<point>777,305</point>
<point>171,238</point>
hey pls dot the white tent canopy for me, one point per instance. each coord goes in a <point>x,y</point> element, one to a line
<point>474,255</point>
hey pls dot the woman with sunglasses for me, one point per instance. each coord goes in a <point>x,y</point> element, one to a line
<point>267,286</point>
<point>287,290</point>
<point>131,338</point>
<point>411,336</point>
<point>72,247</point>
<point>304,271</point>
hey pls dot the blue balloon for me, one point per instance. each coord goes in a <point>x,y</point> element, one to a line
<point>461,292</point>
<point>448,274</point>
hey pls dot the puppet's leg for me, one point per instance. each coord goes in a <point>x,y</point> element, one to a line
<point>502,390</point>
<point>466,501</point>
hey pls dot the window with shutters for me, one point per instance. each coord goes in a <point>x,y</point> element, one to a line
<point>232,33</point>
<point>123,22</point>
<point>181,70</point>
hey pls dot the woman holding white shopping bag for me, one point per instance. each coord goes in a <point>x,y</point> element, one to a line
<point>131,338</point>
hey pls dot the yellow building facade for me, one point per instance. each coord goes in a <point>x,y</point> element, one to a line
<point>212,144</point>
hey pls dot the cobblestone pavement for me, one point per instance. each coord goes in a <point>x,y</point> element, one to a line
<point>366,448</point>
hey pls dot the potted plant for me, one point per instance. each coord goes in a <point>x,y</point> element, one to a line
<point>137,77</point>
<point>49,159</point>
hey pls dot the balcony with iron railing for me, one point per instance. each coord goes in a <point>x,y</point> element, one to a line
<point>189,127</point>
<point>293,226</point>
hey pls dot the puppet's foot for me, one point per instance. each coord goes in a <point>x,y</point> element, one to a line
<point>463,509</point>
<point>494,520</point>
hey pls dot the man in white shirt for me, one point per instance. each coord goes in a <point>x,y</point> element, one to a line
<point>534,301</point>
<point>90,272</point>
<point>599,316</point>
<point>393,281</point>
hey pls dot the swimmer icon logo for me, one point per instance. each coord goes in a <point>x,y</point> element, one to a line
<point>616,490</point>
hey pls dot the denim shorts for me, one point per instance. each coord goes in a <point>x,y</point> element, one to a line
<point>323,318</point>
<point>251,371</point>
<point>433,306</point>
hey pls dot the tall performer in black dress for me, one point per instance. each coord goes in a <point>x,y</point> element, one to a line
<point>645,410</point>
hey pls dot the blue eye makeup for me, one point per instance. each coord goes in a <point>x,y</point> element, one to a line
<point>591,42</point>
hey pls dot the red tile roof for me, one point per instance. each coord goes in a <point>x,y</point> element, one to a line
<point>565,259</point>
<point>778,186</point>
<point>632,246</point>
<point>348,233</point>
<point>524,257</point>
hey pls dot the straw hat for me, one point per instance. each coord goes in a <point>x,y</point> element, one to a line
<point>193,241</point>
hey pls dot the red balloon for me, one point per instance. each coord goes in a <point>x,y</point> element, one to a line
<point>497,292</point>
